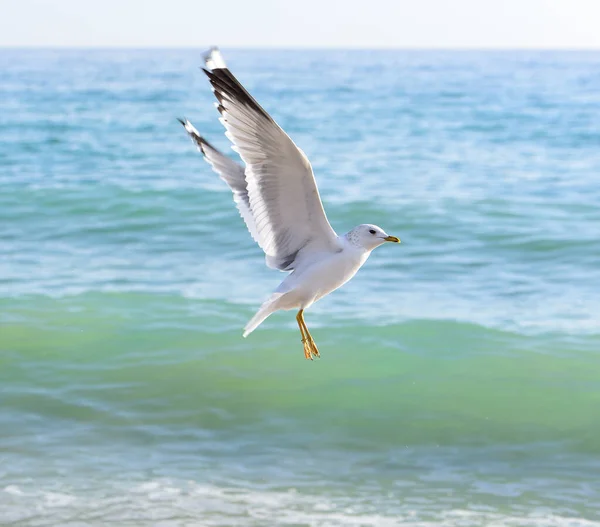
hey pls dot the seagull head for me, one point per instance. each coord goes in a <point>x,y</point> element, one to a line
<point>369,236</point>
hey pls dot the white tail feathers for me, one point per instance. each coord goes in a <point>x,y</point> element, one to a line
<point>268,308</point>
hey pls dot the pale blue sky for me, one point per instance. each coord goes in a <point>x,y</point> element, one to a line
<point>302,23</point>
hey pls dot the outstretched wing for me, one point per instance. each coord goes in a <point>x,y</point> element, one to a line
<point>230,172</point>
<point>282,194</point>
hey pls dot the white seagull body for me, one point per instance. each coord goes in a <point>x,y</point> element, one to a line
<point>277,197</point>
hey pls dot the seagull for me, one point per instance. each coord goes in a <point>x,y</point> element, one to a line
<point>277,197</point>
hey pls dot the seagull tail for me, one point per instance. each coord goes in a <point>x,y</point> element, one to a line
<point>268,308</point>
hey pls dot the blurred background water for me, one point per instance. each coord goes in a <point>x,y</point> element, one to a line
<point>460,378</point>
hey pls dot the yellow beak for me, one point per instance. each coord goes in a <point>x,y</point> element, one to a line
<point>391,239</point>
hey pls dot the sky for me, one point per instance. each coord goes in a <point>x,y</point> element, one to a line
<point>301,23</point>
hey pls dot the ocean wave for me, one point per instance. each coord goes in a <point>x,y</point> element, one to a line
<point>182,365</point>
<point>170,502</point>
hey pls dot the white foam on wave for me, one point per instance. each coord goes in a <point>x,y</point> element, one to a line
<point>170,502</point>
<point>13,490</point>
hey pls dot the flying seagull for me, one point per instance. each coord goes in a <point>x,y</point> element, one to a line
<point>276,194</point>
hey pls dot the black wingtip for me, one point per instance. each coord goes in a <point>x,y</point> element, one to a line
<point>197,138</point>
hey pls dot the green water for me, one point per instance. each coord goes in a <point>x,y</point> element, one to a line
<point>459,380</point>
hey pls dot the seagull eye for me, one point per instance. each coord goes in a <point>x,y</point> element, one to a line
<point>372,231</point>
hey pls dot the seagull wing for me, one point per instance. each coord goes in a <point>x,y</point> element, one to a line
<point>289,218</point>
<point>230,172</point>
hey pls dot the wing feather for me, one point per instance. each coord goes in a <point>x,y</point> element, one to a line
<point>281,190</point>
<point>230,172</point>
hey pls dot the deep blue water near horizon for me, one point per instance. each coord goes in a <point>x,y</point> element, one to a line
<point>459,383</point>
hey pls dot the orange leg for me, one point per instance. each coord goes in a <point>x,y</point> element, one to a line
<point>310,348</point>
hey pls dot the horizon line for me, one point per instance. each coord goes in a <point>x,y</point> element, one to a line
<point>61,47</point>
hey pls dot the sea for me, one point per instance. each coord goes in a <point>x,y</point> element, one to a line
<point>459,384</point>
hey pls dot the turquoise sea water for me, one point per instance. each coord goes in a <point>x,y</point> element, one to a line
<point>460,378</point>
